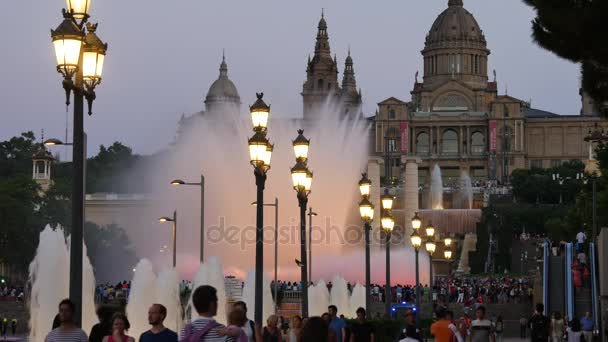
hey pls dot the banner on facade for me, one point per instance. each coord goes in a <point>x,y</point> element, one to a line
<point>492,135</point>
<point>405,138</point>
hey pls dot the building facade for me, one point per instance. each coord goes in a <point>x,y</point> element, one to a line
<point>457,120</point>
<point>321,91</point>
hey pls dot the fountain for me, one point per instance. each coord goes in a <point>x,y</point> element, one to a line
<point>49,278</point>
<point>210,273</point>
<point>339,295</point>
<point>216,146</point>
<point>167,294</point>
<point>436,193</point>
<point>465,190</point>
<point>249,295</point>
<point>318,296</point>
<point>357,299</point>
<point>142,296</point>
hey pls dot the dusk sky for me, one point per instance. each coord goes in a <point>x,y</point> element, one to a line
<point>164,55</point>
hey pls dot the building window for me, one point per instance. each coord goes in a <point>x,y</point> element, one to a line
<point>556,163</point>
<point>328,86</point>
<point>423,144</point>
<point>536,164</point>
<point>392,136</point>
<point>320,84</point>
<point>478,143</point>
<point>507,138</point>
<point>395,162</point>
<point>449,143</point>
<point>40,167</point>
<point>391,114</point>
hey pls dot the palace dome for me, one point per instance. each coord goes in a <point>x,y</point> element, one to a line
<point>455,25</point>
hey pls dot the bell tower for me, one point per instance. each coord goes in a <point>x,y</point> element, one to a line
<point>321,87</point>
<point>42,161</point>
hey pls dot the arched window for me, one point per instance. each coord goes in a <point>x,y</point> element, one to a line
<point>40,167</point>
<point>478,143</point>
<point>449,142</point>
<point>392,136</point>
<point>320,84</point>
<point>423,146</point>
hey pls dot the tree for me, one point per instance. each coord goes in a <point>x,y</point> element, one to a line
<point>110,251</point>
<point>575,30</point>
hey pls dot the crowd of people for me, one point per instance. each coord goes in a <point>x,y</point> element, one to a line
<point>113,327</point>
<point>12,292</point>
<point>105,293</point>
<point>489,289</point>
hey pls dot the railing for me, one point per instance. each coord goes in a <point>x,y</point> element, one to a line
<point>290,296</point>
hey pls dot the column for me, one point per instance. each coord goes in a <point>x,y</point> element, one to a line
<point>411,192</point>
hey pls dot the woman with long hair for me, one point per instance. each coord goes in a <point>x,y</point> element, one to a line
<point>120,325</point>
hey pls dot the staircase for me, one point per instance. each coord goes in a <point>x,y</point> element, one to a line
<point>582,302</point>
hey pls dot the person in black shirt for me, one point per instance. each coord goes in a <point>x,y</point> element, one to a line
<point>362,330</point>
<point>539,325</point>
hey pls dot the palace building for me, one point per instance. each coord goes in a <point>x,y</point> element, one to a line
<point>456,119</point>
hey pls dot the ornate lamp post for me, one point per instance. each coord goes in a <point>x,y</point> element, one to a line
<point>174,221</point>
<point>416,243</point>
<point>388,223</point>
<point>179,182</point>
<point>447,254</point>
<point>430,247</point>
<point>302,182</point>
<point>79,55</point>
<point>260,153</point>
<point>366,209</point>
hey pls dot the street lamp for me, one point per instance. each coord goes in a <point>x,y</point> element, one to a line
<point>447,254</point>
<point>430,247</point>
<point>310,215</point>
<point>174,221</point>
<point>79,55</point>
<point>366,210</point>
<point>260,153</point>
<point>388,223</point>
<point>416,222</point>
<point>416,243</point>
<point>79,9</point>
<point>447,241</point>
<point>276,243</point>
<point>179,182</point>
<point>301,177</point>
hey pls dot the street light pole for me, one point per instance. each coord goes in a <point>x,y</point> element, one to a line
<point>276,251</point>
<point>302,182</point>
<point>173,220</point>
<point>416,241</point>
<point>179,182</point>
<point>310,215</point>
<point>80,57</point>
<point>260,153</point>
<point>366,210</point>
<point>388,223</point>
<point>387,290</point>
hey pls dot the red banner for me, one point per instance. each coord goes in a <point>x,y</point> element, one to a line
<point>405,137</point>
<point>492,135</point>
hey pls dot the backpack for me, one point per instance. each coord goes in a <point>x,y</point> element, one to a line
<point>539,326</point>
<point>191,336</point>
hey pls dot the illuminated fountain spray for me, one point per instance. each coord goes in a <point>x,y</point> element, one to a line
<point>49,275</point>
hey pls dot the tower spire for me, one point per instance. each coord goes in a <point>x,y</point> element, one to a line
<point>223,65</point>
<point>455,3</point>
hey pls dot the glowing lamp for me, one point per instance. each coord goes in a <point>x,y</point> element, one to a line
<point>365,185</point>
<point>301,145</point>
<point>366,209</point>
<point>260,112</point>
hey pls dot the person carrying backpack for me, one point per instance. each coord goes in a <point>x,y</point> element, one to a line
<point>204,328</point>
<point>539,325</point>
